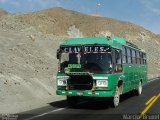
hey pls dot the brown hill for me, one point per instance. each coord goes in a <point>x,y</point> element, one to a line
<point>3,12</point>
<point>59,21</point>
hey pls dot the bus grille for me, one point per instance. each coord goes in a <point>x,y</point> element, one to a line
<point>80,82</point>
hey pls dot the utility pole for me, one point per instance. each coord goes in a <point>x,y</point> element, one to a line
<point>97,7</point>
<point>96,14</point>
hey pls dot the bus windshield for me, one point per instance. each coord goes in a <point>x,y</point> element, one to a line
<point>87,60</point>
<point>97,62</point>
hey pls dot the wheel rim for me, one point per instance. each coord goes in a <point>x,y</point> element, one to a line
<point>116,97</point>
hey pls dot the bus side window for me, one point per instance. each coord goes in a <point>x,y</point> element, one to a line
<point>128,55</point>
<point>133,57</point>
<point>144,58</point>
<point>141,58</point>
<point>118,60</point>
<point>124,55</point>
<point>138,57</point>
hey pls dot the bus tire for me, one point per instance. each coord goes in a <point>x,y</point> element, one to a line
<point>116,98</point>
<point>139,89</point>
<point>72,100</point>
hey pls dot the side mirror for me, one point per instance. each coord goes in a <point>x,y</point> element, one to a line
<point>58,54</point>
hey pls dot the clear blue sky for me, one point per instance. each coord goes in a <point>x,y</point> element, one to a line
<point>145,13</point>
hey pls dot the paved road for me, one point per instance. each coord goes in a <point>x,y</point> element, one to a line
<point>130,107</point>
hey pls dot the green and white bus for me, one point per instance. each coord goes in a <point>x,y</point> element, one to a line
<point>99,67</point>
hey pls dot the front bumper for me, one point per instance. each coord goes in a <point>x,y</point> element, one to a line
<point>88,93</point>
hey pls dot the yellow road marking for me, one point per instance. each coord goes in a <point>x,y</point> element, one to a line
<point>150,100</point>
<point>146,109</point>
<point>150,103</point>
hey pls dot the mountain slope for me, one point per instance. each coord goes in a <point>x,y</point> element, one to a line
<point>59,21</point>
<point>28,44</point>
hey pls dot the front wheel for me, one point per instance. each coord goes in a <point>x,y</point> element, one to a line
<point>116,98</point>
<point>72,100</point>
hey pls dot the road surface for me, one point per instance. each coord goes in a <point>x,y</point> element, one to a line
<point>130,107</point>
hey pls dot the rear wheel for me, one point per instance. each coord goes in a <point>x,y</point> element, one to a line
<point>72,100</point>
<point>139,90</point>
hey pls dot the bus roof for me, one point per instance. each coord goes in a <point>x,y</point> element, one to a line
<point>114,41</point>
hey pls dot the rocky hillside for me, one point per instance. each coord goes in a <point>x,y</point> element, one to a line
<point>2,12</point>
<point>58,21</point>
<point>28,44</point>
<point>27,70</point>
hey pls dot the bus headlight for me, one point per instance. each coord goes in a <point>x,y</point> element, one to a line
<point>101,83</point>
<point>62,82</point>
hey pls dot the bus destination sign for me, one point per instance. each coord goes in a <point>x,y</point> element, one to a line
<point>85,49</point>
